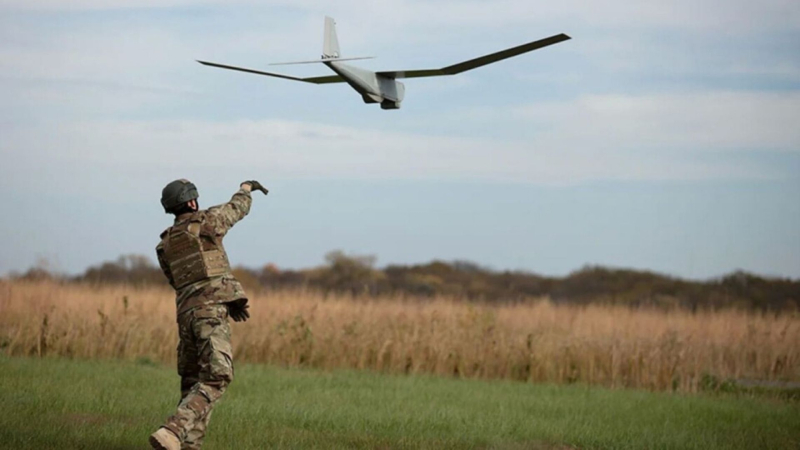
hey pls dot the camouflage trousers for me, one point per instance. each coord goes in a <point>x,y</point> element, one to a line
<point>205,364</point>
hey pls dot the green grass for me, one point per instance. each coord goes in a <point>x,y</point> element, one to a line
<point>58,403</point>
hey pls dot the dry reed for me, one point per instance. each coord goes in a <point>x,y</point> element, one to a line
<point>535,341</point>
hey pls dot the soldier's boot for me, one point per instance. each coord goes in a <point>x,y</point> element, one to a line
<point>163,439</point>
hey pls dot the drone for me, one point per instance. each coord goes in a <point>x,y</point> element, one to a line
<point>383,87</point>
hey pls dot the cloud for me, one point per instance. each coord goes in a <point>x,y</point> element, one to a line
<point>395,14</point>
<point>156,49</point>
<point>595,138</point>
<point>96,76</point>
<point>78,5</point>
<point>715,121</point>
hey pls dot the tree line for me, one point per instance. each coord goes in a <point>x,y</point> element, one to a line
<point>359,276</point>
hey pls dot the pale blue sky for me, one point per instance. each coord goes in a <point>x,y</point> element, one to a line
<point>664,136</point>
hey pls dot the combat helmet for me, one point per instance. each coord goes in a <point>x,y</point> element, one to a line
<point>177,193</point>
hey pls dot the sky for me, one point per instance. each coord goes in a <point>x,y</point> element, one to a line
<point>664,136</point>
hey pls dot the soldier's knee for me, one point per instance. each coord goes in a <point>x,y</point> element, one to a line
<point>218,383</point>
<point>212,390</point>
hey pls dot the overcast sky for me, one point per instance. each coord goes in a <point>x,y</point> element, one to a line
<point>664,136</point>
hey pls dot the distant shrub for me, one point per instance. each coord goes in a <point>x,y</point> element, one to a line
<point>357,275</point>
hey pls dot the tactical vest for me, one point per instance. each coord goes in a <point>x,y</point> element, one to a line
<point>188,261</point>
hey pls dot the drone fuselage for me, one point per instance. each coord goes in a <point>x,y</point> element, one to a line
<point>373,87</point>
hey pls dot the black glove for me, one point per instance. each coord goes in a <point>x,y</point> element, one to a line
<point>256,186</point>
<point>238,312</point>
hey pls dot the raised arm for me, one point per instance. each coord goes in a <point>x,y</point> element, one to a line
<point>226,215</point>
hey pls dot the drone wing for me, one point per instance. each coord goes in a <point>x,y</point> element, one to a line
<point>315,80</point>
<point>478,62</point>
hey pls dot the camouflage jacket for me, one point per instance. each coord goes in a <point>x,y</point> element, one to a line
<point>214,224</point>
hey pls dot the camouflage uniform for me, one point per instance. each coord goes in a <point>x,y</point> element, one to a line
<point>205,357</point>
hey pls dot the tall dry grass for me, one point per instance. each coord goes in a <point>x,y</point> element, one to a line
<point>537,341</point>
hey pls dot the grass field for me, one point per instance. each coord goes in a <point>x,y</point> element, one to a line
<point>537,341</point>
<point>59,403</point>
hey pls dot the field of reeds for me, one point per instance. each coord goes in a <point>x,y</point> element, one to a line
<point>535,341</point>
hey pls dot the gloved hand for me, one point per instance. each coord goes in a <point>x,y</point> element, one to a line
<point>238,312</point>
<point>256,186</point>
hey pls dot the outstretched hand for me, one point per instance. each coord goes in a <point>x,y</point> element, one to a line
<point>256,186</point>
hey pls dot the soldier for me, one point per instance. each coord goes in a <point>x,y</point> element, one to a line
<point>193,259</point>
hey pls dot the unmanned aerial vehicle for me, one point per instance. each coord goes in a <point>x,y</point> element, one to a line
<point>383,87</point>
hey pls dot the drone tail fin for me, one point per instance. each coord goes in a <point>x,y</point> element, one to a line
<point>330,46</point>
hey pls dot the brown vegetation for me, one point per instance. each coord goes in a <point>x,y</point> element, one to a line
<point>357,275</point>
<point>537,341</point>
